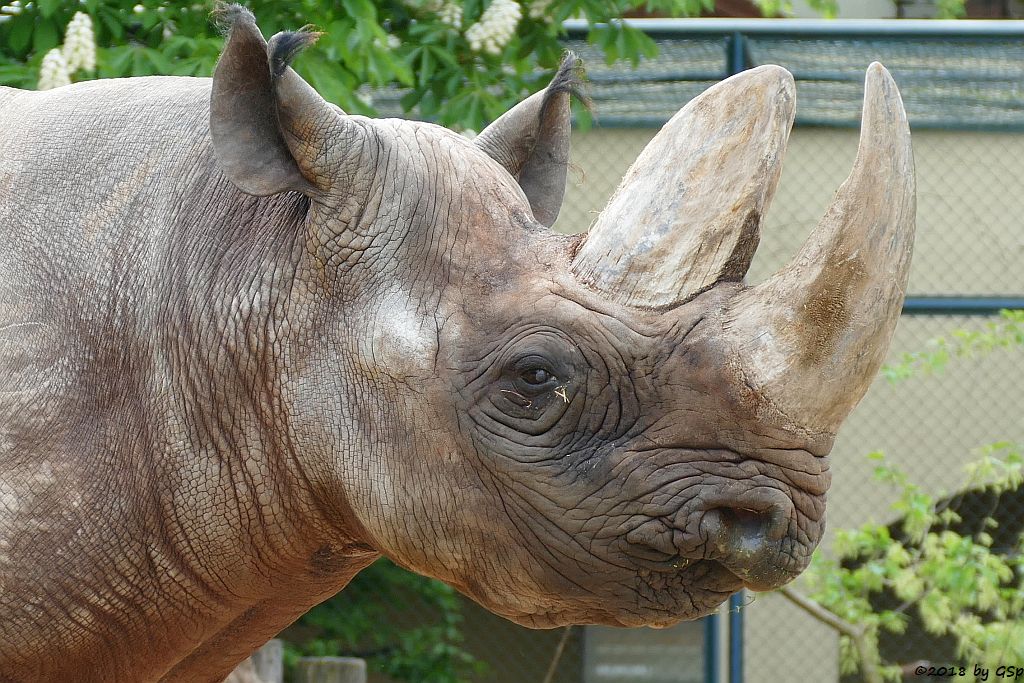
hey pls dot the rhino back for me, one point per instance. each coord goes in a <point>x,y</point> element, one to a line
<point>7,94</point>
<point>118,228</point>
<point>89,178</point>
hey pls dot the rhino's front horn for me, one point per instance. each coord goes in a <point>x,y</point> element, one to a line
<point>688,212</point>
<point>809,340</point>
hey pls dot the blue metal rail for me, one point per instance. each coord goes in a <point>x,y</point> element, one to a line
<point>960,305</point>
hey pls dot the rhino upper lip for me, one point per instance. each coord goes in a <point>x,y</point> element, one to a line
<point>664,564</point>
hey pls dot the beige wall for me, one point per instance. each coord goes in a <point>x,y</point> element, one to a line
<point>848,9</point>
<point>970,240</point>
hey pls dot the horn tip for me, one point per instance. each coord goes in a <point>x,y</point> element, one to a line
<point>877,67</point>
<point>772,72</point>
<point>882,97</point>
<point>769,80</point>
<point>877,75</point>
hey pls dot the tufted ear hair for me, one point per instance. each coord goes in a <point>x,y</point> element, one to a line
<point>531,141</point>
<point>268,126</point>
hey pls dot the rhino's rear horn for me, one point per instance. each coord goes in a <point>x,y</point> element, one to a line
<point>268,126</point>
<point>688,212</point>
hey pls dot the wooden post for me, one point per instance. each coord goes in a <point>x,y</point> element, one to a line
<point>269,661</point>
<point>330,670</point>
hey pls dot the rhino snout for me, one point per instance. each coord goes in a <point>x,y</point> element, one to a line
<point>745,532</point>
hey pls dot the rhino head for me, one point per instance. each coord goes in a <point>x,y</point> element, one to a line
<point>610,428</point>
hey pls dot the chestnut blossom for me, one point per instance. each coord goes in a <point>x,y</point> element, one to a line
<point>451,13</point>
<point>53,72</point>
<point>80,44</point>
<point>495,28</point>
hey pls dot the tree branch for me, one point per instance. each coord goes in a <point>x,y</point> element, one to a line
<point>858,635</point>
<point>558,654</point>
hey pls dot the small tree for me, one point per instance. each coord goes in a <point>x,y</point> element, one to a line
<point>459,62</point>
<point>404,625</point>
<point>949,576</point>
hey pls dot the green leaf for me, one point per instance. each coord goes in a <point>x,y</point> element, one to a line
<point>114,62</point>
<point>362,11</point>
<point>20,33</point>
<point>18,75</point>
<point>48,7</point>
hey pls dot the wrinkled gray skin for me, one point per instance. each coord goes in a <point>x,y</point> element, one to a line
<point>216,408</point>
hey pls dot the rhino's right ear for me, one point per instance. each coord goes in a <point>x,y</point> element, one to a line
<point>268,126</point>
<point>531,141</point>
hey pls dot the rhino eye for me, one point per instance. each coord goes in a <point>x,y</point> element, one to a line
<point>536,377</point>
<point>533,375</point>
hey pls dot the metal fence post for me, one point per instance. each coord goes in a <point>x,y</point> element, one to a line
<point>330,670</point>
<point>736,637</point>
<point>711,648</point>
<point>736,58</point>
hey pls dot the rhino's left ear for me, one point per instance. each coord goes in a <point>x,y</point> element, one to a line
<point>531,141</point>
<point>269,127</point>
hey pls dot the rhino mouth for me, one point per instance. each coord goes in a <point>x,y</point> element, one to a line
<point>753,533</point>
<point>657,599</point>
<point>759,576</point>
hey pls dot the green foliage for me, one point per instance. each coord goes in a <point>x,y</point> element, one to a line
<point>955,582</point>
<point>1005,333</point>
<point>417,45</point>
<point>829,9</point>
<point>950,9</point>
<point>371,619</point>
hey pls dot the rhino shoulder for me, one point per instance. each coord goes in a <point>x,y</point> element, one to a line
<point>8,94</point>
<point>100,112</point>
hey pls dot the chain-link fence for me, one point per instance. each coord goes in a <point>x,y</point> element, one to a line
<point>964,93</point>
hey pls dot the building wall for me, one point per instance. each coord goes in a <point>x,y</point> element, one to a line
<point>849,9</point>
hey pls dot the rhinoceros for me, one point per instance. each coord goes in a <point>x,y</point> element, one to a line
<point>250,343</point>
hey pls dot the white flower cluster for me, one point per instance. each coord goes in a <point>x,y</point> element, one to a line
<point>389,42</point>
<point>53,72</point>
<point>80,44</point>
<point>451,13</point>
<point>448,11</point>
<point>495,27</point>
<point>11,9</point>
<point>539,9</point>
<point>77,54</point>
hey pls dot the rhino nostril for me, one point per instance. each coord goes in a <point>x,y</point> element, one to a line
<point>744,529</point>
<point>759,514</point>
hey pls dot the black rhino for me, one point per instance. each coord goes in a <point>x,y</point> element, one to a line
<point>249,343</point>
